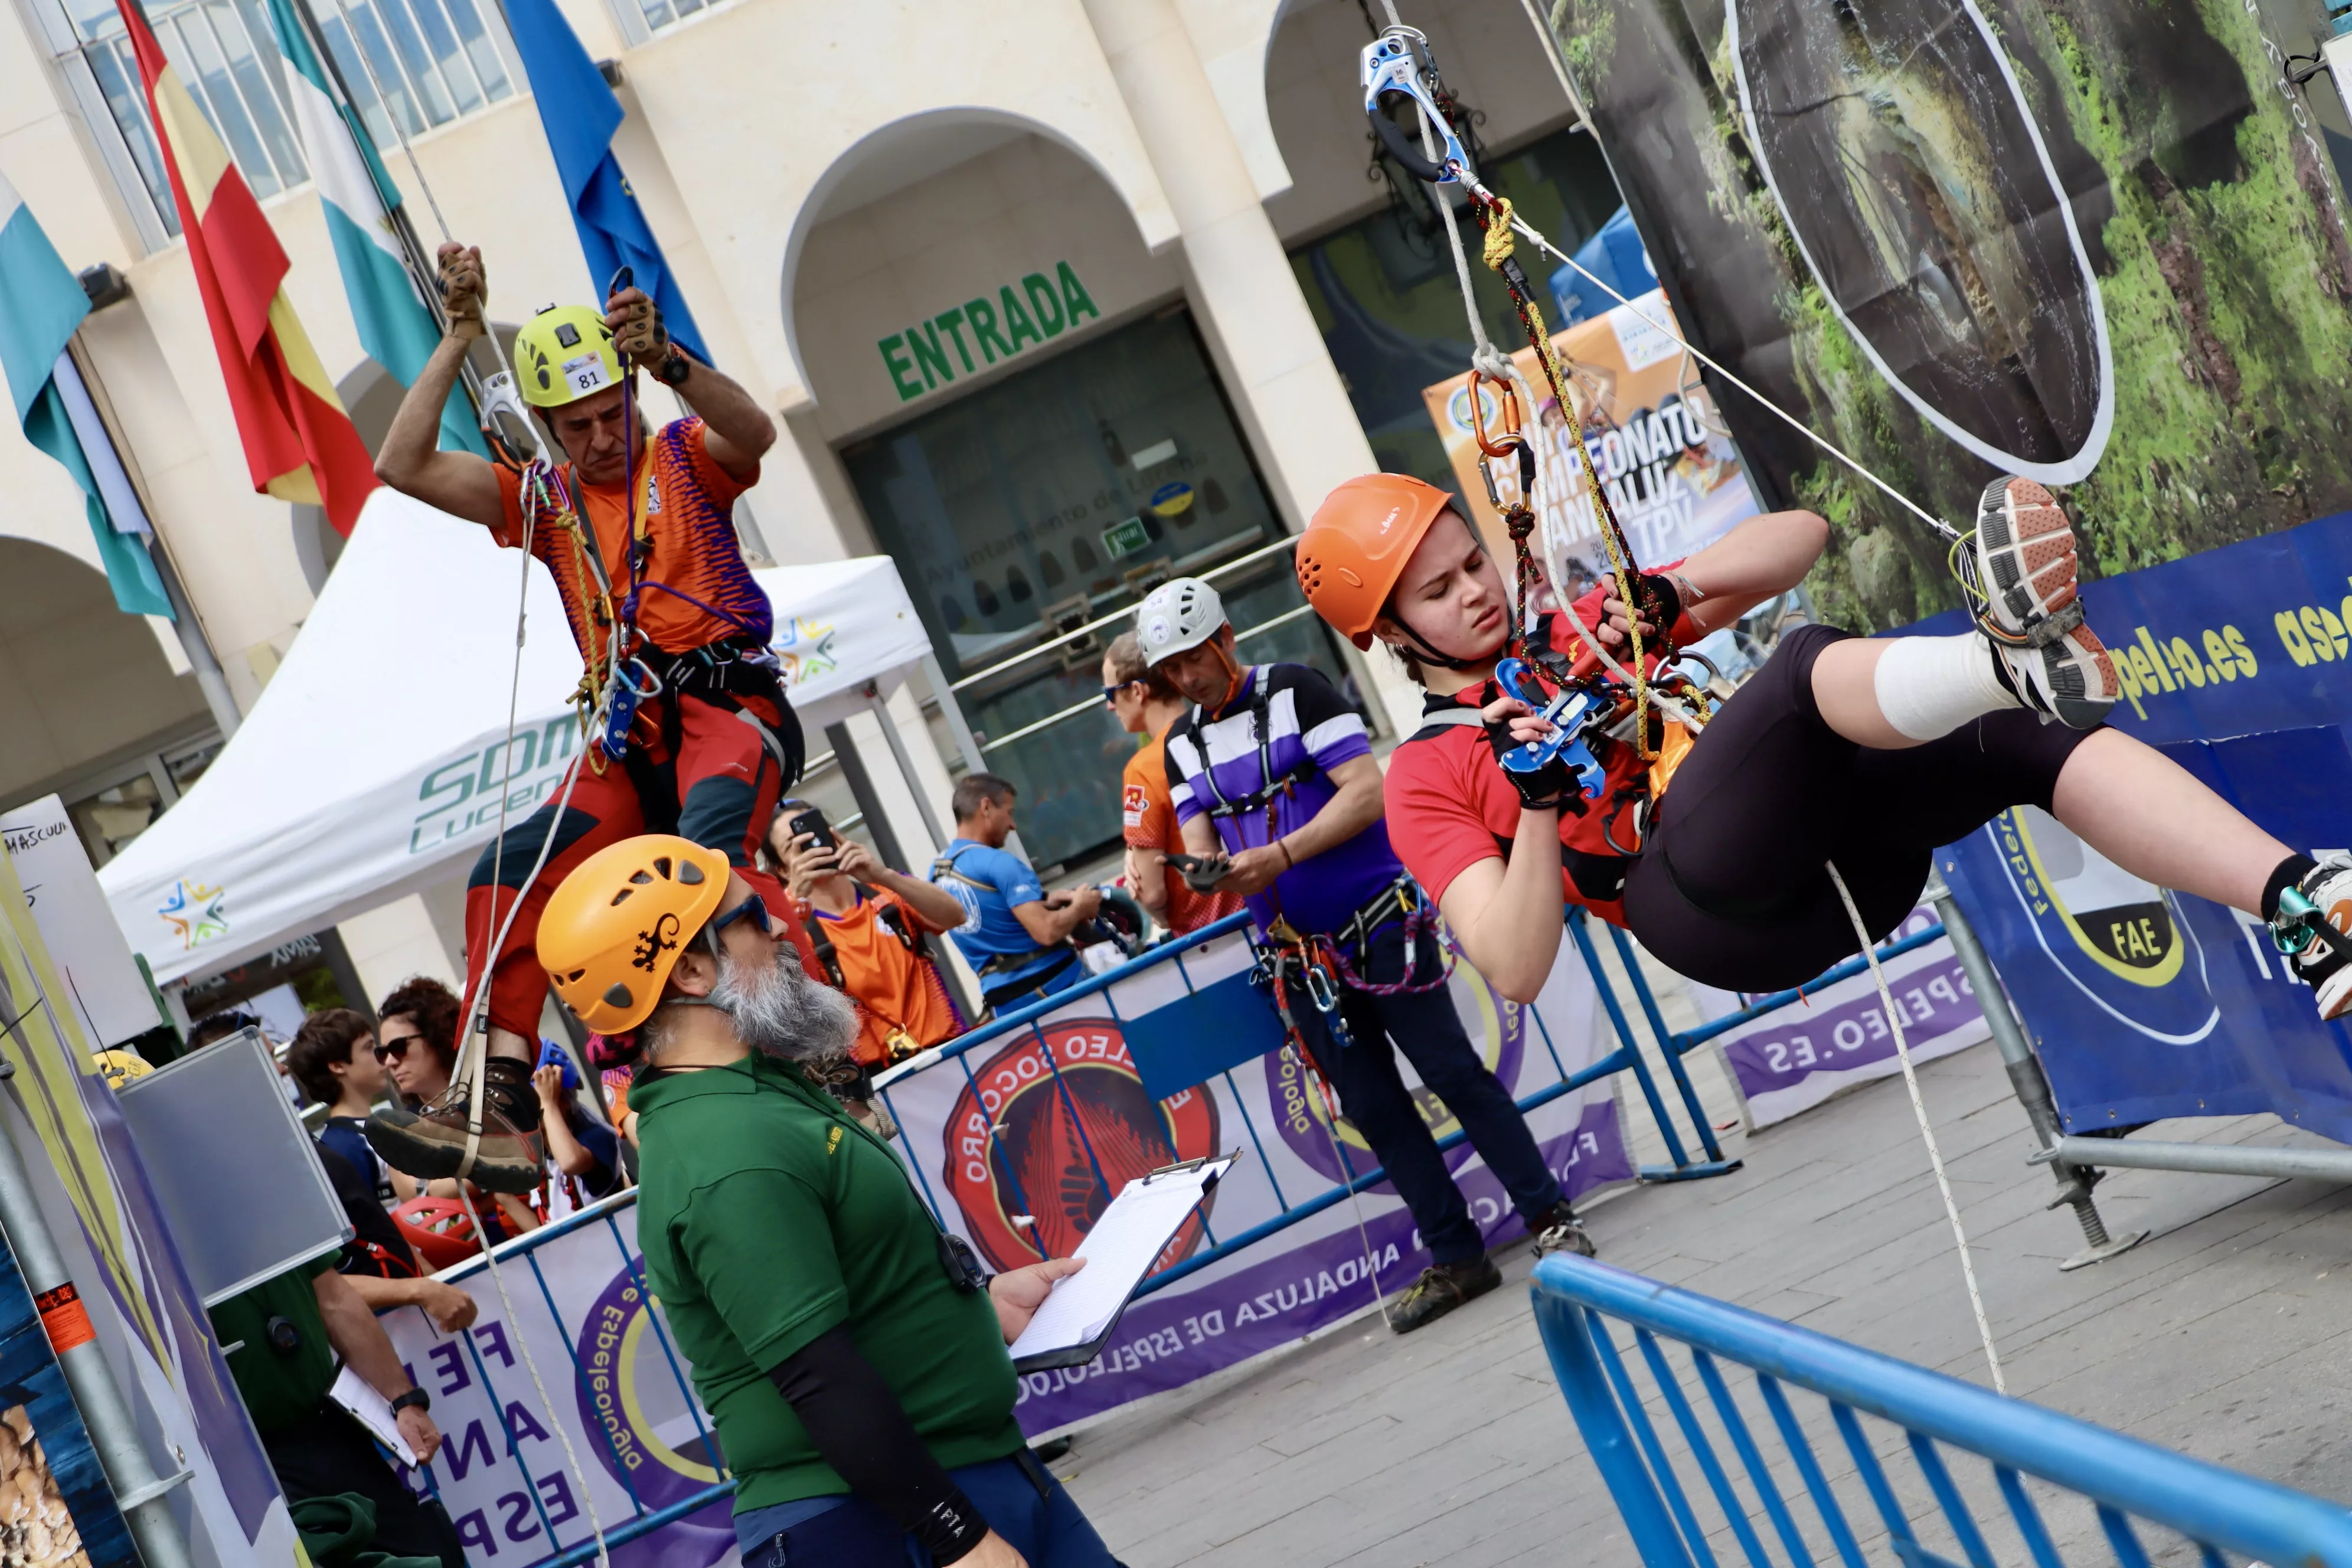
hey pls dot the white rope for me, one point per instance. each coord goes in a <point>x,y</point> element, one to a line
<point>530,1365</point>
<point>1927,1130</point>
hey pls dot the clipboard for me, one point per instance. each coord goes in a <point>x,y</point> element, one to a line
<point>1078,1318</point>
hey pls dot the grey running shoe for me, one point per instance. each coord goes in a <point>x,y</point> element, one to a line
<point>2033,614</point>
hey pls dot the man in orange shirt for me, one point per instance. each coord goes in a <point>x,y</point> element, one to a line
<point>868,926</point>
<point>1147,703</point>
<point>636,528</point>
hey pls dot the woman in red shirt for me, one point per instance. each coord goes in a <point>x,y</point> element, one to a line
<point>1867,752</point>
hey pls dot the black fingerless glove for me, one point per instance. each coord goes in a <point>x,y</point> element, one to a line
<point>1551,787</point>
<point>1661,601</point>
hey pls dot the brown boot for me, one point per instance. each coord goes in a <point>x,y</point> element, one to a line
<point>429,1142</point>
<point>1441,1287</point>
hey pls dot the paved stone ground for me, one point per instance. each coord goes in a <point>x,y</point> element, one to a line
<point>2218,1336</point>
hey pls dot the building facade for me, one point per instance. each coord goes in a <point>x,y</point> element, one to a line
<point>1051,299</point>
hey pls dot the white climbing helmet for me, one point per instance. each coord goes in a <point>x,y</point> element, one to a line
<point>1182,613</point>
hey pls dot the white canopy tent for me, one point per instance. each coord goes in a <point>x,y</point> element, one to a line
<point>370,768</point>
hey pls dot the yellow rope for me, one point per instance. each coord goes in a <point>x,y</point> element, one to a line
<point>1497,251</point>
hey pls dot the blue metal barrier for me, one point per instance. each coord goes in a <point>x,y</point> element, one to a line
<point>2097,1481</point>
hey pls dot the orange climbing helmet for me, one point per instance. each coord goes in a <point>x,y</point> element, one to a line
<point>1357,545</point>
<point>612,933</point>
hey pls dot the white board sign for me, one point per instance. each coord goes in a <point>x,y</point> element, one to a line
<point>102,981</point>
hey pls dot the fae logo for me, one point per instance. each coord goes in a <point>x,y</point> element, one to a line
<point>1051,1127</point>
<point>194,912</point>
<point>644,1429</point>
<point>2114,937</point>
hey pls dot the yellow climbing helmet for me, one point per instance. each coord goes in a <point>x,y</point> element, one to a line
<point>563,354</point>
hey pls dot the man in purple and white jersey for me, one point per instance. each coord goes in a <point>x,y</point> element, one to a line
<point>1273,779</point>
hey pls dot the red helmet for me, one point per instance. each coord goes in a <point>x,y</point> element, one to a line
<point>1355,548</point>
<point>438,1230</point>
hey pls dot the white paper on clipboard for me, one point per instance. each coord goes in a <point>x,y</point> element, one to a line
<point>356,1395</point>
<point>1119,1251</point>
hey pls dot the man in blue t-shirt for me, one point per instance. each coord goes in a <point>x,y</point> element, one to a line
<point>1016,934</point>
<point>1272,776</point>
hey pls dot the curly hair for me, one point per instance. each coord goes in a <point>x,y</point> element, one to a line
<point>325,1039</point>
<point>433,1007</point>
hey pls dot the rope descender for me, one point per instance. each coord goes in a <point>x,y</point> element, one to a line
<point>1393,63</point>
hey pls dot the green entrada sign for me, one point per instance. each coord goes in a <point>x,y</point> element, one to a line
<point>981,332</point>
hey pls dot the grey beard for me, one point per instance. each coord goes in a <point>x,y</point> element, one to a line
<point>780,1011</point>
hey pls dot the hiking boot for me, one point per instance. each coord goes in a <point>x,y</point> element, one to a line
<point>429,1142</point>
<point>2033,614</point>
<point>1558,1229</point>
<point>1441,1287</point>
<point>2314,931</point>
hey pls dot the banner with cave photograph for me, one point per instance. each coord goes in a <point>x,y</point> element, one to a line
<point>2096,242</point>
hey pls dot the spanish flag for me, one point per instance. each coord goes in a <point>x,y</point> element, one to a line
<point>299,443</point>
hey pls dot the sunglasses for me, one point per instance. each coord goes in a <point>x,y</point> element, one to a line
<point>398,1050</point>
<point>755,906</point>
<point>1111,693</point>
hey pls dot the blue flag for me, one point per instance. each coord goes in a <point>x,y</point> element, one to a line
<point>41,304</point>
<point>580,115</point>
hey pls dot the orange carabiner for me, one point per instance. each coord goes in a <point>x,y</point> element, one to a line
<point>1510,413</point>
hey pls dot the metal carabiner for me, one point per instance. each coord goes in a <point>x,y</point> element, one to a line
<point>1390,66</point>
<point>1319,989</point>
<point>1570,715</point>
<point>1512,440</point>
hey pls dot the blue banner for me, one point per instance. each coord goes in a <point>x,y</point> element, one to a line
<point>2143,1003</point>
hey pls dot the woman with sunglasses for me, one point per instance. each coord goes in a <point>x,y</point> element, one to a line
<point>1147,703</point>
<point>415,1040</point>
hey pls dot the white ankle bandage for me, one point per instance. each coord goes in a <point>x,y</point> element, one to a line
<point>1929,687</point>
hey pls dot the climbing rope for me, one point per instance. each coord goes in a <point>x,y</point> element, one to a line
<point>1927,1129</point>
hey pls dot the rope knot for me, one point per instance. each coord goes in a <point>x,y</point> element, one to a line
<point>1499,239</point>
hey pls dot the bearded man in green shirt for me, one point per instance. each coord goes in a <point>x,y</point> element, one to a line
<point>851,1352</point>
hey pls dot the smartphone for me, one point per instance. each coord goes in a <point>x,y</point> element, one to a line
<point>810,822</point>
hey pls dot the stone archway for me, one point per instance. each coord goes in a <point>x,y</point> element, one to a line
<point>86,695</point>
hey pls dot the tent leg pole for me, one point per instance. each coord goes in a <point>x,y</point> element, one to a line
<point>966,742</point>
<point>898,743</point>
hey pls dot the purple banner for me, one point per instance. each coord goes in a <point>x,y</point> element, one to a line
<point>1178,1337</point>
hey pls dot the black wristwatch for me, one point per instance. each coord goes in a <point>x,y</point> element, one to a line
<point>416,1398</point>
<point>673,371</point>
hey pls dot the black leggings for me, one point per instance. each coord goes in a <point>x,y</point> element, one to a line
<point>1730,888</point>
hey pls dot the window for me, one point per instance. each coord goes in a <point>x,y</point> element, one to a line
<point>1059,494</point>
<point>1382,289</point>
<point>435,60</point>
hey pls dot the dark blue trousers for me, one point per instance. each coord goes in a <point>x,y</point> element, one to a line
<point>1425,1028</point>
<point>1045,1528</point>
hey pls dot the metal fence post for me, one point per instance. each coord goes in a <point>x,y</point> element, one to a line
<point>1565,1328</point>
<point>2026,1079</point>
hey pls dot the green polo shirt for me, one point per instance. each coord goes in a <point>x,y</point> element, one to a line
<point>767,1217</point>
<point>279,1387</point>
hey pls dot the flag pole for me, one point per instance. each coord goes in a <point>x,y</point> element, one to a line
<point>428,282</point>
<point>424,277</point>
<point>141,1495</point>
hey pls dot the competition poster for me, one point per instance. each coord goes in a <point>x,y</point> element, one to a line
<point>1652,432</point>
